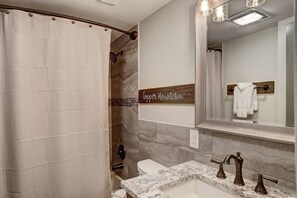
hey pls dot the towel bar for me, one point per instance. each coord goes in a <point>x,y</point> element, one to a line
<point>262,88</point>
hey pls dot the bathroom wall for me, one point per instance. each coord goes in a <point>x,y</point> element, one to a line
<point>123,103</point>
<point>168,144</point>
<point>167,58</point>
<point>254,58</point>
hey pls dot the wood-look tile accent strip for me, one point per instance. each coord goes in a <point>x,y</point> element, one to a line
<point>123,102</point>
<point>182,94</point>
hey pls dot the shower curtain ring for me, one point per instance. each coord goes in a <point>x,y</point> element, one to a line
<point>30,14</point>
<point>6,11</point>
<point>53,18</point>
<point>73,22</point>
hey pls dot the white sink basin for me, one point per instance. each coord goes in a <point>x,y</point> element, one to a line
<point>196,189</point>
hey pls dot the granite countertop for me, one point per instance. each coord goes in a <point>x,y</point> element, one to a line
<point>151,185</point>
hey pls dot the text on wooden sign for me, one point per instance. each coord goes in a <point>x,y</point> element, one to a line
<point>182,94</point>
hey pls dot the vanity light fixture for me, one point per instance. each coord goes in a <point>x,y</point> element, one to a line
<point>204,7</point>
<point>248,17</point>
<point>220,13</point>
<point>254,3</point>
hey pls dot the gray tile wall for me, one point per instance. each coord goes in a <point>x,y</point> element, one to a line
<point>169,144</point>
<point>123,101</point>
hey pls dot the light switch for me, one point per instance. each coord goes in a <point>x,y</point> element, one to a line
<point>194,138</point>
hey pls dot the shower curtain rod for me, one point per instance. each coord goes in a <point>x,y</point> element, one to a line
<point>133,34</point>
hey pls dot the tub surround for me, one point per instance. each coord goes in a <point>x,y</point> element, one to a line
<point>151,185</point>
<point>123,103</point>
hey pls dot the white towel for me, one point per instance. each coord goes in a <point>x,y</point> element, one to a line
<point>245,100</point>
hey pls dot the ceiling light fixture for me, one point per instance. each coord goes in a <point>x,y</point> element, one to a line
<point>220,13</point>
<point>204,7</point>
<point>248,17</point>
<point>254,3</point>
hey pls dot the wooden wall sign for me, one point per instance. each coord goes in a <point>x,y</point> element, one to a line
<point>182,94</point>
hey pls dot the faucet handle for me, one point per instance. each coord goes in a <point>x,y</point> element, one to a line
<point>260,188</point>
<point>221,174</point>
<point>270,179</point>
<point>215,161</point>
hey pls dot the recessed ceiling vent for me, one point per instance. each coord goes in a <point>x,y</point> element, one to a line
<point>249,17</point>
<point>112,2</point>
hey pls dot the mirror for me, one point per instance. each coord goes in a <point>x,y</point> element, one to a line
<point>250,65</point>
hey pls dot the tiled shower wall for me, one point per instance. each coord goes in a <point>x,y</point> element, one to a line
<point>123,101</point>
<point>169,144</point>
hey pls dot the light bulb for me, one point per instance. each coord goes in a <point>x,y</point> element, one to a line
<point>204,7</point>
<point>254,3</point>
<point>220,13</point>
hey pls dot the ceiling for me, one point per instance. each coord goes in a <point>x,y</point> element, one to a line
<point>224,31</point>
<point>124,16</point>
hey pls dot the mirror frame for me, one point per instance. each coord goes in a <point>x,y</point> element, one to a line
<point>265,132</point>
<point>295,90</point>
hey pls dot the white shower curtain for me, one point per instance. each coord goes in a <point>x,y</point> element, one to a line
<point>214,102</point>
<point>53,108</point>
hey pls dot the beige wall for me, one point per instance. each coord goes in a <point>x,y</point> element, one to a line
<point>167,58</point>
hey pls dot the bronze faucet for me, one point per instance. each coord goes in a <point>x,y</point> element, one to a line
<point>221,174</point>
<point>260,188</point>
<point>238,164</point>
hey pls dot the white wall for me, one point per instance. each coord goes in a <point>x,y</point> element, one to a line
<point>167,58</point>
<point>253,58</point>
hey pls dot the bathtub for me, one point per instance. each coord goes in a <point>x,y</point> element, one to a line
<point>115,187</point>
<point>115,181</point>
